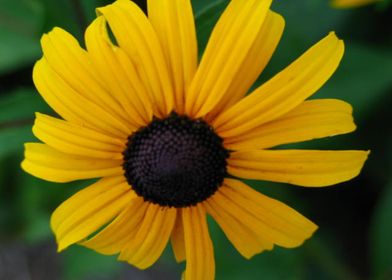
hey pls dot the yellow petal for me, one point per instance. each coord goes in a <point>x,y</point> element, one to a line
<point>285,91</point>
<point>150,240</point>
<point>123,83</point>
<point>177,239</point>
<point>175,27</point>
<point>71,63</point>
<point>73,139</point>
<point>257,58</point>
<point>254,222</point>
<point>352,3</point>
<point>73,106</point>
<point>138,39</point>
<point>245,240</point>
<point>306,168</point>
<point>200,263</point>
<point>89,209</point>
<point>52,165</point>
<point>227,49</point>
<point>114,237</point>
<point>310,120</point>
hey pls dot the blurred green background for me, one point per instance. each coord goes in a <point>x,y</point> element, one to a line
<point>355,218</point>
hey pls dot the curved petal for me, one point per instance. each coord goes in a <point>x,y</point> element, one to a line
<point>285,91</point>
<point>257,58</point>
<point>227,49</point>
<point>254,222</point>
<point>74,107</point>
<point>73,139</point>
<point>52,165</point>
<point>306,168</point>
<point>123,83</point>
<point>177,239</point>
<point>114,237</point>
<point>199,251</point>
<point>310,120</point>
<point>151,238</point>
<point>138,39</point>
<point>174,24</point>
<point>65,56</point>
<point>90,209</point>
<point>245,240</point>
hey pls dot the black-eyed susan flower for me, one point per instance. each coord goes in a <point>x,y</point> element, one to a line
<point>170,139</point>
<point>352,3</point>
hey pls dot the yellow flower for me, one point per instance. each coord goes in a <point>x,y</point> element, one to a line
<point>168,136</point>
<point>352,3</point>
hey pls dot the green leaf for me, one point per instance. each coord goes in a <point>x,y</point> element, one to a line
<point>199,5</point>
<point>21,104</point>
<point>272,265</point>
<point>20,25</point>
<point>16,119</point>
<point>89,7</point>
<point>12,139</point>
<point>360,80</point>
<point>62,13</point>
<point>82,263</point>
<point>381,233</point>
<point>206,18</point>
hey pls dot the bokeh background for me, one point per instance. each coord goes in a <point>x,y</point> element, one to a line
<point>355,218</point>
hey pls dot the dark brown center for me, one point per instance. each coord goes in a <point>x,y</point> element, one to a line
<point>175,161</point>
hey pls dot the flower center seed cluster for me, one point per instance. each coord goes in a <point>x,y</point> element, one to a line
<point>175,161</point>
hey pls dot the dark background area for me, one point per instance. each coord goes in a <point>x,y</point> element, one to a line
<point>354,240</point>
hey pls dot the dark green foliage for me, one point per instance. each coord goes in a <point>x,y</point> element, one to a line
<point>355,218</point>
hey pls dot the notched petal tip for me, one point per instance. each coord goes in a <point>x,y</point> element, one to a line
<point>55,31</point>
<point>333,34</point>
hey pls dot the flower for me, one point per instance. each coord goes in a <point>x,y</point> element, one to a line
<point>352,3</point>
<point>170,139</point>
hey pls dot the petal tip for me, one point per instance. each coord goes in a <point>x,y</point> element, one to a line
<point>61,247</point>
<point>23,166</point>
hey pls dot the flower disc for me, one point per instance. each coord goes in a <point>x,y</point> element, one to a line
<point>175,161</point>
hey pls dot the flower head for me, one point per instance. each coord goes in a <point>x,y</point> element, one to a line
<point>170,138</point>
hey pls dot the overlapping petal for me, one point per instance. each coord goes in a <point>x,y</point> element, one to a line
<point>177,239</point>
<point>114,237</point>
<point>90,209</point>
<point>73,139</point>
<point>136,36</point>
<point>175,27</point>
<point>229,45</point>
<point>150,240</point>
<point>254,222</point>
<point>73,106</point>
<point>118,74</point>
<point>199,252</point>
<point>257,58</point>
<point>52,165</point>
<point>307,168</point>
<point>310,120</point>
<point>284,91</point>
<point>72,64</point>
